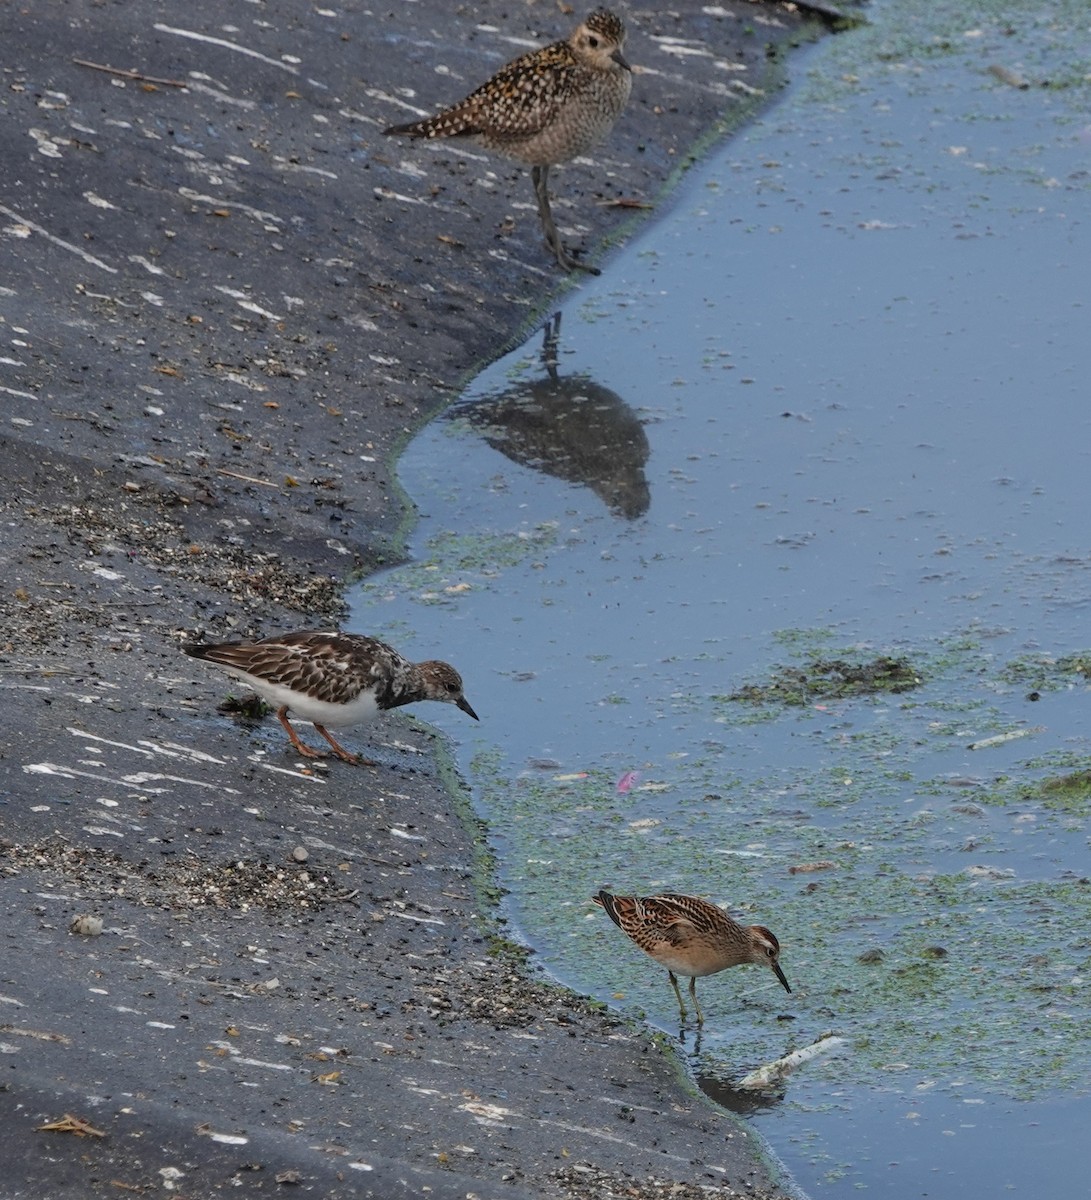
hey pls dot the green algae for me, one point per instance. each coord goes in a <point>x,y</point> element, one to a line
<point>1058,782</point>
<point>969,969</point>
<point>831,679</point>
<point>453,563</point>
<point>1042,673</point>
<point>1069,793</point>
<point>911,963</point>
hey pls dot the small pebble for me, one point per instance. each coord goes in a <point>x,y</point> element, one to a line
<point>300,854</point>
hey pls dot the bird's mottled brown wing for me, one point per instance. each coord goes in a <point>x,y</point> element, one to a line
<point>326,665</point>
<point>519,101</point>
<point>649,920</point>
<point>525,96</point>
<point>666,921</point>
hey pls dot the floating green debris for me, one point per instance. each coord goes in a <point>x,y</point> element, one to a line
<point>831,679</point>
<point>487,551</point>
<point>1046,674</point>
<point>1070,793</point>
<point>456,564</point>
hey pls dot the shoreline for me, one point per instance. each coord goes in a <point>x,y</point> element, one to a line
<point>227,307</point>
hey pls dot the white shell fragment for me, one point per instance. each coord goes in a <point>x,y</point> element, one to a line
<point>86,925</point>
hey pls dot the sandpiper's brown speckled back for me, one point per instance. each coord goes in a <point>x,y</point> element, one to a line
<point>690,936</point>
<point>547,106</point>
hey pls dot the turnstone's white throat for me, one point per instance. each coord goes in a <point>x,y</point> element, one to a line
<point>333,679</point>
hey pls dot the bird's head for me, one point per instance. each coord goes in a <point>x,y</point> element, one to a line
<point>600,40</point>
<point>444,683</point>
<point>764,948</point>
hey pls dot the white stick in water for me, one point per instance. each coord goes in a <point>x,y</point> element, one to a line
<point>773,1072</point>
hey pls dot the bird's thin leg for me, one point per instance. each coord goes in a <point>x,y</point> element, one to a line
<point>681,1005</point>
<point>693,993</point>
<point>341,752</point>
<point>306,751</point>
<point>540,178</point>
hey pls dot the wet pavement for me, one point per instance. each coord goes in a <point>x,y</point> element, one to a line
<point>226,303</point>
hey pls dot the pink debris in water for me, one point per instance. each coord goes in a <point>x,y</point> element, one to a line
<point>627,780</point>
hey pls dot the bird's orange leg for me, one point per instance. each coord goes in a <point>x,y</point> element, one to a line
<point>293,737</point>
<point>341,752</point>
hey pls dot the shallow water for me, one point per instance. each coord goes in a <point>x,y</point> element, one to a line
<point>857,352</point>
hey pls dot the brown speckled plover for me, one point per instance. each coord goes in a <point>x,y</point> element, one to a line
<point>332,680</point>
<point>691,937</point>
<point>546,107</point>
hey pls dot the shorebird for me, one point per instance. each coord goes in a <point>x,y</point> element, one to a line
<point>544,108</point>
<point>691,937</point>
<point>332,679</point>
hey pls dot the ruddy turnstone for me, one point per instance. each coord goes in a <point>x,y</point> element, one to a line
<point>333,679</point>
<point>691,937</point>
<point>546,107</point>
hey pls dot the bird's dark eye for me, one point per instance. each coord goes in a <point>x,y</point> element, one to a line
<point>451,687</point>
<point>770,951</point>
<point>593,42</point>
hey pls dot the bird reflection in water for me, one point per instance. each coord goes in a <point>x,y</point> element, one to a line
<point>570,427</point>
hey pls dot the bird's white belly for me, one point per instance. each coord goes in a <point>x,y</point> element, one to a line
<point>686,964</point>
<point>319,712</point>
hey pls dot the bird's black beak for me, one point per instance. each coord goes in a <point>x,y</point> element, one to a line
<point>780,975</point>
<point>621,61</point>
<point>464,704</point>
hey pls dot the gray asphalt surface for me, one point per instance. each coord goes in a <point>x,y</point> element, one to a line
<point>224,306</point>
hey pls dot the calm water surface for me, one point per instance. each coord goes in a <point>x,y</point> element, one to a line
<point>833,407</point>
